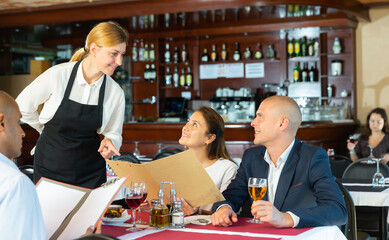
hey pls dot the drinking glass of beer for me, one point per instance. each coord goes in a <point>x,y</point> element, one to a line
<point>257,188</point>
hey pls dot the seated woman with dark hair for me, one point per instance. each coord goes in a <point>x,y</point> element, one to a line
<point>204,135</point>
<point>375,134</point>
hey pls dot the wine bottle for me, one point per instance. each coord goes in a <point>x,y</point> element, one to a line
<point>146,73</point>
<point>304,72</point>
<point>152,53</point>
<point>168,78</point>
<point>176,55</point>
<point>213,53</point>
<point>134,52</point>
<point>167,53</point>
<point>258,52</point>
<point>182,78</point>
<point>141,51</point>
<point>189,78</point>
<point>175,77</point>
<point>184,53</point>
<point>247,54</point>
<point>146,53</point>
<point>223,54</point>
<point>205,57</point>
<point>296,72</point>
<point>236,55</point>
<point>291,47</point>
<point>297,50</point>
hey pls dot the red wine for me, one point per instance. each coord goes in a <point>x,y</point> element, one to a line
<point>144,197</point>
<point>133,202</point>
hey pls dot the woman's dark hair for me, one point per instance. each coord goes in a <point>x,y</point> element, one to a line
<point>366,132</point>
<point>215,124</point>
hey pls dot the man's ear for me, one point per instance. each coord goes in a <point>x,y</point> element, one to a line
<point>284,122</point>
<point>2,119</point>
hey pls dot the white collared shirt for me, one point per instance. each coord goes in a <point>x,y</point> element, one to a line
<point>20,212</point>
<point>274,176</point>
<point>49,88</point>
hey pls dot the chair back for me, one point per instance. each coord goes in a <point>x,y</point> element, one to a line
<point>98,236</point>
<point>338,164</point>
<point>126,156</point>
<point>167,151</point>
<point>350,228</point>
<point>364,169</point>
<point>28,170</point>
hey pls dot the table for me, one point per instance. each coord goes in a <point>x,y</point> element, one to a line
<point>240,230</point>
<point>363,194</point>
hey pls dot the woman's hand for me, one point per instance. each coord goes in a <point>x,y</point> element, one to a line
<point>188,209</point>
<point>107,149</point>
<point>92,230</point>
<point>350,145</point>
<point>385,158</point>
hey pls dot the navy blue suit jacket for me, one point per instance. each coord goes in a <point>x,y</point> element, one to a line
<point>306,186</point>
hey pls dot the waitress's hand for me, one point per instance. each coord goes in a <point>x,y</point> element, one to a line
<point>107,149</point>
<point>187,208</point>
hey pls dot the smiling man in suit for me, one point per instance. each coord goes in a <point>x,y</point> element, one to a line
<point>301,189</point>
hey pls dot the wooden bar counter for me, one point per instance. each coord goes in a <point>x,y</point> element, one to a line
<point>239,137</point>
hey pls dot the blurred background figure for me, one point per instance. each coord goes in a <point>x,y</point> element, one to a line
<point>374,140</point>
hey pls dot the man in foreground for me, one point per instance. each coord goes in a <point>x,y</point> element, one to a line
<point>301,189</point>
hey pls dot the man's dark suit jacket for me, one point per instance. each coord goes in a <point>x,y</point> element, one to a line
<point>306,186</point>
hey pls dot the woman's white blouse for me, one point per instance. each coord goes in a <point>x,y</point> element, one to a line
<point>49,89</point>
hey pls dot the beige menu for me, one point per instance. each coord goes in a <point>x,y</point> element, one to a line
<point>190,179</point>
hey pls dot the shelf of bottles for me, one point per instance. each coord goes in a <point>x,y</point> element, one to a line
<point>177,67</point>
<point>304,53</point>
<point>249,54</point>
<point>144,52</point>
<point>182,20</point>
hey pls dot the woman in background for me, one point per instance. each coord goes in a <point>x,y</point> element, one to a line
<point>375,134</point>
<point>204,135</point>
<point>81,101</point>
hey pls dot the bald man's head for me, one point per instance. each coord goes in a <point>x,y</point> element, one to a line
<point>283,106</point>
<point>7,103</point>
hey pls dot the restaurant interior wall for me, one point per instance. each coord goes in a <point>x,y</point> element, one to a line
<point>372,51</point>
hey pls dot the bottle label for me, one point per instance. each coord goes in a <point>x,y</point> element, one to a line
<point>178,219</point>
<point>296,75</point>
<point>290,49</point>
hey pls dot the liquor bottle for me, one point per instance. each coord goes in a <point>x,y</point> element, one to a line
<point>141,51</point>
<point>168,78</point>
<point>297,50</point>
<point>303,47</point>
<point>182,78</point>
<point>152,74</point>
<point>175,77</point>
<point>176,55</point>
<point>146,53</point>
<point>213,53</point>
<point>316,47</point>
<point>167,53</point>
<point>189,78</point>
<point>146,73</point>
<point>151,20</point>
<point>270,52</point>
<point>304,72</point>
<point>146,21</point>
<point>247,54</point>
<point>291,46</point>
<point>184,53</point>
<point>258,52</point>
<point>141,22</point>
<point>223,54</point>
<point>205,57</point>
<point>312,73</point>
<point>311,50</point>
<point>236,55</point>
<point>337,48</point>
<point>167,20</point>
<point>296,72</point>
<point>152,53</point>
<point>134,52</point>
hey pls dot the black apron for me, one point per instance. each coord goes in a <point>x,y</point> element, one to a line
<point>66,150</point>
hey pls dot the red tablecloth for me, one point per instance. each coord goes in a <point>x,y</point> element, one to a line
<point>242,226</point>
<point>179,235</point>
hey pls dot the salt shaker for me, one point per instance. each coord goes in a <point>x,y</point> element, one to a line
<point>177,215</point>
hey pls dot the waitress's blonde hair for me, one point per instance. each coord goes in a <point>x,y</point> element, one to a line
<point>105,34</point>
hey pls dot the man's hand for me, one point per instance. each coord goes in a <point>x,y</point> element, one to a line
<point>107,149</point>
<point>266,212</point>
<point>224,217</point>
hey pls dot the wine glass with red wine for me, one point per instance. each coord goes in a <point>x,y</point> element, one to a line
<point>133,197</point>
<point>143,187</point>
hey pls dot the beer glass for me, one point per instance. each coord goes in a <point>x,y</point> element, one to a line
<point>257,188</point>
